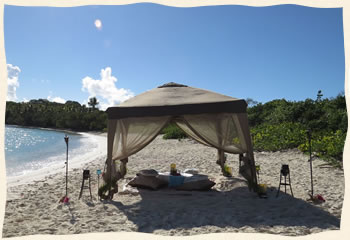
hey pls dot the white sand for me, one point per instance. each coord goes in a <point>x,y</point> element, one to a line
<point>229,207</point>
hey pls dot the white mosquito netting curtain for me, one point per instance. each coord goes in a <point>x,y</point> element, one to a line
<point>228,132</point>
<point>129,135</point>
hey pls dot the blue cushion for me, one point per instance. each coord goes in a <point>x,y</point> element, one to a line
<point>175,181</point>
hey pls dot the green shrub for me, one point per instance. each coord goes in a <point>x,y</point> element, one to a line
<point>172,131</point>
<point>327,145</point>
<point>267,137</point>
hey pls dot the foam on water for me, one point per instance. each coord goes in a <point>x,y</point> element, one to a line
<point>32,154</point>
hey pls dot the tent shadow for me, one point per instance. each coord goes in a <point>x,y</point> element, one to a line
<point>168,209</point>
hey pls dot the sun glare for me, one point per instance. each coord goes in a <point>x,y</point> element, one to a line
<point>98,24</point>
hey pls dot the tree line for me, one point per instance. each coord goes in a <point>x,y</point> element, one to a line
<point>70,115</point>
<point>275,125</point>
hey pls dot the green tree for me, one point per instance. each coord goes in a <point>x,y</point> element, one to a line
<point>251,102</point>
<point>43,113</point>
<point>93,102</point>
<point>319,96</point>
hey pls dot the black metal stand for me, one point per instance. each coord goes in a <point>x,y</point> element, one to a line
<point>86,176</point>
<point>285,172</point>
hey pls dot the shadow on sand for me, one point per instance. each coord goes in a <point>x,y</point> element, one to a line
<point>170,209</point>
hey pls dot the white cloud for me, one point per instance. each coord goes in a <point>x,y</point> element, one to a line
<point>105,88</point>
<point>12,82</point>
<point>98,24</point>
<point>55,99</point>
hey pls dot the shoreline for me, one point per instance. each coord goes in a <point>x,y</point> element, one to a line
<point>54,169</point>
<point>59,129</point>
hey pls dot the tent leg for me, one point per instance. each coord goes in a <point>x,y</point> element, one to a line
<point>111,125</point>
<point>221,160</point>
<point>218,161</point>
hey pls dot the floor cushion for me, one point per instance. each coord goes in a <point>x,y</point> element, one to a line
<point>200,184</point>
<point>150,182</point>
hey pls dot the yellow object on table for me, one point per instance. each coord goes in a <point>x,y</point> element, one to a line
<point>229,170</point>
<point>173,170</point>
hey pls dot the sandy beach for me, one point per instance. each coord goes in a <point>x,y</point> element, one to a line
<point>34,208</point>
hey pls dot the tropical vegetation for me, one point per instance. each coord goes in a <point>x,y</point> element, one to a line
<point>275,125</point>
<point>43,113</point>
<point>280,124</point>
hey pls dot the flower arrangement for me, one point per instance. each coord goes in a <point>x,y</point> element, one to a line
<point>227,171</point>
<point>109,186</point>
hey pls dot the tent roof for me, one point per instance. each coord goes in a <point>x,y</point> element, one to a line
<point>176,99</point>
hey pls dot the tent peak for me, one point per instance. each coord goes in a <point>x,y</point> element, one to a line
<point>172,84</point>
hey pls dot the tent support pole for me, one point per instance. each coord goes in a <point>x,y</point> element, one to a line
<point>111,126</point>
<point>243,121</point>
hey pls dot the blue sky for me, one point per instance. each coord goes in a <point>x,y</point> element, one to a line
<point>263,53</point>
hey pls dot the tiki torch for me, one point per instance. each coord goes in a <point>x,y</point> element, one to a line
<point>308,132</point>
<point>66,139</point>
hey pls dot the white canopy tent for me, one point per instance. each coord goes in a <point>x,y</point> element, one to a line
<point>210,118</point>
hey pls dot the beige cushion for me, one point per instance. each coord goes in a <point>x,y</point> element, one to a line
<point>201,184</point>
<point>151,182</point>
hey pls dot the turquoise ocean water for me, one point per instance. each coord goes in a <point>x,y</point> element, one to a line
<point>30,149</point>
